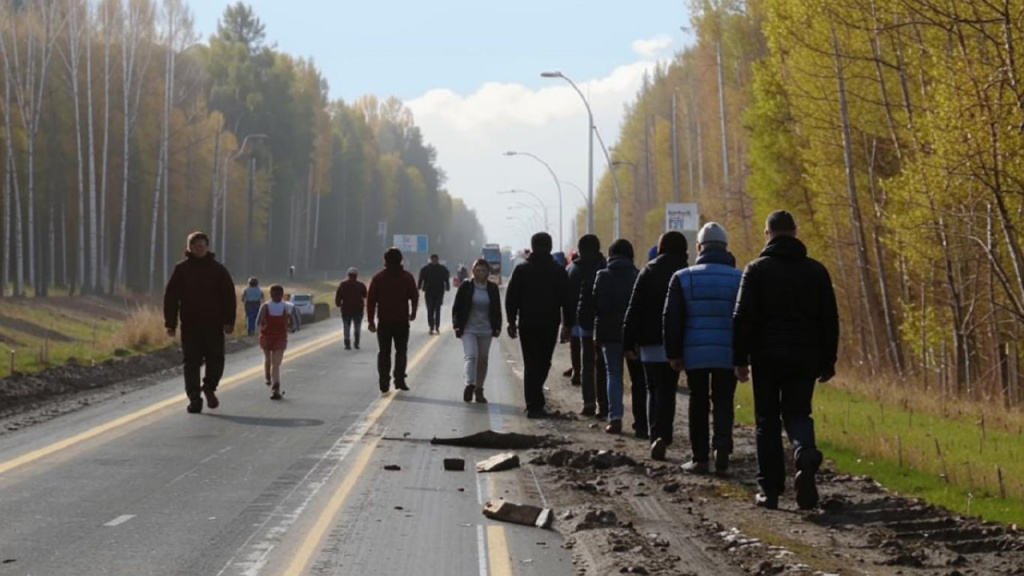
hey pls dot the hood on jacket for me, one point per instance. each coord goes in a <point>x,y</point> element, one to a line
<point>210,257</point>
<point>785,247</point>
<point>620,263</point>
<point>672,261</point>
<point>716,256</point>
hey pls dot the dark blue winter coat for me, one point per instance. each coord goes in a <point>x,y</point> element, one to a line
<point>603,311</point>
<point>698,312</point>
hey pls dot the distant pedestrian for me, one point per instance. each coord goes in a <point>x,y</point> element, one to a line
<point>390,306</point>
<point>350,298</point>
<point>276,318</point>
<point>785,326</point>
<point>582,273</point>
<point>698,339</point>
<point>643,337</point>
<point>603,311</point>
<point>434,282</point>
<point>202,293</point>
<point>476,319</point>
<point>574,372</point>
<point>252,298</point>
<point>536,302</point>
<point>461,275</point>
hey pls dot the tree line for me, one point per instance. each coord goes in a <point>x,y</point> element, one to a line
<point>894,130</point>
<point>122,132</point>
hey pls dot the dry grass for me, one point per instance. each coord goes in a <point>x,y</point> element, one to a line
<point>142,330</point>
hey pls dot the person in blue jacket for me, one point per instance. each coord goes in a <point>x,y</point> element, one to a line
<point>698,339</point>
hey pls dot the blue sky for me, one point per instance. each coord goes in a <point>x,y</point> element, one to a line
<point>470,72</point>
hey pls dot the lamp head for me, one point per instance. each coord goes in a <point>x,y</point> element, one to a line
<point>551,74</point>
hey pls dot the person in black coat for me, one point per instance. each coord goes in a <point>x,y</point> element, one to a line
<point>536,302</point>
<point>785,325</point>
<point>582,273</point>
<point>603,311</point>
<point>434,281</point>
<point>643,336</point>
<point>476,319</point>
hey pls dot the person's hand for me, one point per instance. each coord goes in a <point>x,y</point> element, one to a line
<point>827,374</point>
<point>630,355</point>
<point>742,373</point>
<point>372,327</point>
<point>566,335</point>
<point>412,316</point>
<point>513,332</point>
<point>172,332</point>
<point>229,328</point>
<point>496,333</point>
<point>458,333</point>
<point>676,364</point>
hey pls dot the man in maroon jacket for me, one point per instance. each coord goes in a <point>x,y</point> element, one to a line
<point>349,298</point>
<point>393,299</point>
<point>202,293</point>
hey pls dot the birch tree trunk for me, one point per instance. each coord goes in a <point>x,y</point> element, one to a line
<point>72,61</point>
<point>108,35</point>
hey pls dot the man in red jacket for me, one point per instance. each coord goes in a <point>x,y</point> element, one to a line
<point>393,299</point>
<point>202,293</point>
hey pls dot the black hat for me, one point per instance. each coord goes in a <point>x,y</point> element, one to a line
<point>541,243</point>
<point>781,221</point>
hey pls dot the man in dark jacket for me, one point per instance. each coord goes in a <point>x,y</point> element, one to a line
<point>202,294</point>
<point>698,339</point>
<point>786,326</point>
<point>536,301</point>
<point>393,300</point>
<point>582,273</point>
<point>434,281</point>
<point>643,335</point>
<point>349,298</point>
<point>603,311</point>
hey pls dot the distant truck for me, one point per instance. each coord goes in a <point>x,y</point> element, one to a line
<point>492,253</point>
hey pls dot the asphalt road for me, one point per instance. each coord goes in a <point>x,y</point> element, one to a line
<point>137,486</point>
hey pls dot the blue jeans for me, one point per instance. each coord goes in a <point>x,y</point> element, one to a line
<point>252,310</point>
<point>613,361</point>
<point>348,322</point>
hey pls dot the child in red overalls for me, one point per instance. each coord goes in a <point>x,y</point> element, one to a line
<point>275,319</point>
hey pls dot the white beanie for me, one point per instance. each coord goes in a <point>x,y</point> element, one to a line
<point>712,232</point>
<point>353,271</point>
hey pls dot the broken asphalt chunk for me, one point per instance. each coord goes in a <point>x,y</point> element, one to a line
<point>524,514</point>
<point>454,464</point>
<point>498,462</point>
<point>392,467</point>
<point>498,441</point>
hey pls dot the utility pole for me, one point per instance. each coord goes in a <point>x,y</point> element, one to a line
<point>675,152</point>
<point>248,229</point>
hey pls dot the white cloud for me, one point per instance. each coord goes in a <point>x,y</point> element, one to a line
<point>472,132</point>
<point>652,47</point>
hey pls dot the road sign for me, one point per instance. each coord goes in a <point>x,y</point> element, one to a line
<point>412,243</point>
<point>682,217</point>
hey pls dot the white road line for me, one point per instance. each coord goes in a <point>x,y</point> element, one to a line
<point>119,520</point>
<point>212,456</point>
<point>481,549</point>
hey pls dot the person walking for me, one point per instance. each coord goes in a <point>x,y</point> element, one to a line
<point>643,337</point>
<point>434,282</point>
<point>603,311</point>
<point>252,299</point>
<point>573,372</point>
<point>698,339</point>
<point>201,294</point>
<point>785,330</point>
<point>593,375</point>
<point>275,319</point>
<point>536,302</point>
<point>392,299</point>
<point>350,298</point>
<point>476,319</point>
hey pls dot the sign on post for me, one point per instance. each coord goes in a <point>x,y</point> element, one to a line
<point>682,217</point>
<point>409,243</point>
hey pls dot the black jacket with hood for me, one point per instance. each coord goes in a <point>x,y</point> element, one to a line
<point>582,273</point>
<point>647,303</point>
<point>201,292</point>
<point>538,293</point>
<point>604,310</point>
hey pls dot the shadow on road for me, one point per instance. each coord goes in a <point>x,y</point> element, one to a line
<point>270,422</point>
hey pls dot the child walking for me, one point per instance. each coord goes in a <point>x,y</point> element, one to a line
<point>276,318</point>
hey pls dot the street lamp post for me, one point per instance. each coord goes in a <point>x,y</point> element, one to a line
<point>590,144</point>
<point>231,157</point>
<point>537,220</point>
<point>615,184</point>
<point>558,184</point>
<point>612,167</point>
<point>547,225</point>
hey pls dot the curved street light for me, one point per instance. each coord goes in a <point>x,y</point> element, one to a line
<point>615,185</point>
<point>558,184</point>
<point>590,143</point>
<point>547,225</point>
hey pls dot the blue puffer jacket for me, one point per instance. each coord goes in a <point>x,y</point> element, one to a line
<point>698,312</point>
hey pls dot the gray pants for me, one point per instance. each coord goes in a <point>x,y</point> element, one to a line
<point>477,348</point>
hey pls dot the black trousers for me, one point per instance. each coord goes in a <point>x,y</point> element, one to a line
<point>662,384</point>
<point>638,395</point>
<point>538,346</point>
<point>711,390</point>
<point>593,375</point>
<point>434,302</point>
<point>202,345</point>
<point>575,357</point>
<point>782,398</point>
<point>388,335</point>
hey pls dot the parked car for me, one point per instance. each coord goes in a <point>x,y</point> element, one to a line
<point>303,303</point>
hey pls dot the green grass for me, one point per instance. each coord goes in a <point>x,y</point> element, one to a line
<point>946,460</point>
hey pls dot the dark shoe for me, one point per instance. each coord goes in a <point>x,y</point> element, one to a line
<point>348,345</point>
<point>767,500</point>
<point>614,427</point>
<point>276,393</point>
<point>576,382</point>
<point>588,410</point>
<point>642,434</point>
<point>467,393</point>
<point>721,462</point>
<point>567,373</point>
<point>478,396</point>
<point>658,449</point>
<point>195,406</point>
<point>401,386</point>
<point>696,467</point>
<point>539,413</point>
<point>357,344</point>
<point>601,414</point>
<point>807,464</point>
<point>211,398</point>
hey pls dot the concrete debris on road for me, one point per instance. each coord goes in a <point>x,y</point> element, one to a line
<point>524,514</point>
<point>392,467</point>
<point>498,441</point>
<point>498,462</point>
<point>454,464</point>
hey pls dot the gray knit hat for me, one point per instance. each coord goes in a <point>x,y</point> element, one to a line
<point>712,232</point>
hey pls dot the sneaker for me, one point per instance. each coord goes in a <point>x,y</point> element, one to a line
<point>348,345</point>
<point>467,393</point>
<point>401,386</point>
<point>357,345</point>
<point>696,467</point>
<point>807,464</point>
<point>576,381</point>
<point>658,449</point>
<point>721,462</point>
<point>478,396</point>
<point>567,373</point>
<point>588,410</point>
<point>538,413</point>
<point>276,391</point>
<point>642,435</point>
<point>195,406</point>
<point>614,427</point>
<point>601,414</point>
<point>211,398</point>
<point>767,500</point>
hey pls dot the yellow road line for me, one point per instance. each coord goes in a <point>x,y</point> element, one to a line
<point>498,559</point>
<point>311,543</point>
<point>91,433</point>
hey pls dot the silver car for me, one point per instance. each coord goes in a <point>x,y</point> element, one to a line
<point>303,303</point>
